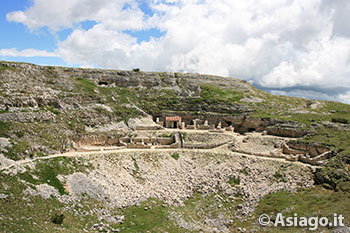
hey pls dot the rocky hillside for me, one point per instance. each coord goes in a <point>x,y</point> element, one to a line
<point>43,109</point>
<point>46,110</point>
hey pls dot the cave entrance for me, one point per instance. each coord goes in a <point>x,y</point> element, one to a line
<point>228,123</point>
<point>102,83</point>
<point>251,129</point>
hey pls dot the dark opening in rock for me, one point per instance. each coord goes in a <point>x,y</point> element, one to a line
<point>102,83</point>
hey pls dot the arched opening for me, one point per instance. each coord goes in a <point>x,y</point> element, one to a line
<point>251,129</point>
<point>102,83</point>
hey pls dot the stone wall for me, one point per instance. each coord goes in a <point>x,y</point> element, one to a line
<point>160,141</point>
<point>177,142</point>
<point>298,147</point>
<point>138,146</point>
<point>98,140</point>
<point>310,153</point>
<point>155,127</point>
<point>202,146</point>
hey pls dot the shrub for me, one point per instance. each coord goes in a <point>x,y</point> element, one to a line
<point>243,171</point>
<point>53,110</point>
<point>339,120</point>
<point>176,156</point>
<point>165,135</point>
<point>18,150</point>
<point>4,128</point>
<point>234,181</point>
<point>58,219</point>
<point>279,177</point>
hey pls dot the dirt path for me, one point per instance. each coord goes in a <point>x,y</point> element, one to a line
<point>108,150</point>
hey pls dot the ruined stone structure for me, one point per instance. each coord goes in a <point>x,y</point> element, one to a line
<point>173,122</point>
<point>174,141</point>
<point>239,124</point>
<point>305,152</point>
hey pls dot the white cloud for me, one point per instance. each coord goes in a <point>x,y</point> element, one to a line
<point>345,97</point>
<point>13,52</point>
<point>276,44</point>
<point>324,64</point>
<point>59,14</point>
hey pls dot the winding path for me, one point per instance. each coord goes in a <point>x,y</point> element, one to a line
<point>111,150</point>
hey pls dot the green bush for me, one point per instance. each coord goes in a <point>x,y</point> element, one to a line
<point>340,120</point>
<point>279,177</point>
<point>243,171</point>
<point>166,135</point>
<point>176,156</point>
<point>58,219</point>
<point>234,181</point>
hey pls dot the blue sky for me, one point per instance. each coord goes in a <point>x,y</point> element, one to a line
<point>290,47</point>
<point>16,35</point>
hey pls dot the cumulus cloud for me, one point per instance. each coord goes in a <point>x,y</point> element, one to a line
<point>292,46</point>
<point>13,52</point>
<point>60,14</point>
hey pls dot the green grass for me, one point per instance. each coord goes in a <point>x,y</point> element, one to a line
<point>2,68</point>
<point>88,86</point>
<point>34,214</point>
<point>4,129</point>
<point>54,110</point>
<point>154,219</point>
<point>46,171</point>
<point>336,139</point>
<point>310,202</point>
<point>17,150</point>
<point>51,135</point>
<point>215,95</point>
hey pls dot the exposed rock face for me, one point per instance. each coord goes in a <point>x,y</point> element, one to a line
<point>128,178</point>
<point>285,131</point>
<point>311,148</point>
<point>28,117</point>
<point>314,154</point>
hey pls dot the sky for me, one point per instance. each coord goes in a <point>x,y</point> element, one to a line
<point>288,47</point>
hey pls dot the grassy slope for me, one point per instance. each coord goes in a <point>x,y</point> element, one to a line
<point>34,214</point>
<point>312,202</point>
